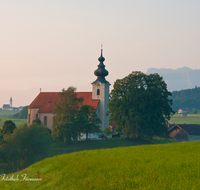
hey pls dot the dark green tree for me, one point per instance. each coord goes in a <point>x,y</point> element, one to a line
<point>140,105</point>
<point>88,120</point>
<point>66,119</point>
<point>23,114</point>
<point>7,128</point>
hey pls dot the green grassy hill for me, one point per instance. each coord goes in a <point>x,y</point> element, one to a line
<point>153,167</point>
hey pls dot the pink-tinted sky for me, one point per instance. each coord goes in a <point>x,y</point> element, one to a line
<point>54,44</point>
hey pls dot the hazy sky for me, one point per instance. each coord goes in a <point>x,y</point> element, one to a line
<point>54,44</point>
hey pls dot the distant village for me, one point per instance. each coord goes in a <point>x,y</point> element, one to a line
<point>9,107</point>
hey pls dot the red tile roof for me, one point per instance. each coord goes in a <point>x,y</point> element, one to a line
<point>45,101</point>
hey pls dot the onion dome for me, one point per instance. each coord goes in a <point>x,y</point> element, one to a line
<point>101,72</point>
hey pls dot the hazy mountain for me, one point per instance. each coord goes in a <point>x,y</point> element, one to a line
<point>178,79</point>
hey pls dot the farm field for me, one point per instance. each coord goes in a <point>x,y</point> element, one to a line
<point>157,167</point>
<point>189,119</point>
<point>17,122</point>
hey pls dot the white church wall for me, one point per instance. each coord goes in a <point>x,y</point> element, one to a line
<point>103,97</point>
<point>94,136</point>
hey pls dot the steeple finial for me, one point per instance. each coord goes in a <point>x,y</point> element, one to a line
<point>101,72</point>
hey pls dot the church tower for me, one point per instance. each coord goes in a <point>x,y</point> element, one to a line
<point>100,91</point>
<point>11,102</point>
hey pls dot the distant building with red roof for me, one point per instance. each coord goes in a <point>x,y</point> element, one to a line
<point>43,105</point>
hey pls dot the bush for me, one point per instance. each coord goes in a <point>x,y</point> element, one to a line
<point>116,135</point>
<point>24,147</point>
<point>7,128</point>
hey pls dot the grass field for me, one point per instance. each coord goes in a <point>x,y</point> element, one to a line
<point>190,119</point>
<point>149,167</point>
<point>17,122</point>
<point>6,113</point>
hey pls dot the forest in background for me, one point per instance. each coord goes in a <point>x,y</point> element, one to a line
<point>189,98</point>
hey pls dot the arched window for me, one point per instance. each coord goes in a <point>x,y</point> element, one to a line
<point>36,116</point>
<point>45,121</point>
<point>98,91</point>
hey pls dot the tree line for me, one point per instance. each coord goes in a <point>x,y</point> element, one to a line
<point>189,98</point>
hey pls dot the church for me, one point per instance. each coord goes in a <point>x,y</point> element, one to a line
<point>43,105</point>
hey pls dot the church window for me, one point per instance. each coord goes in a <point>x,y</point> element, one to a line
<point>45,121</point>
<point>36,116</point>
<point>98,91</point>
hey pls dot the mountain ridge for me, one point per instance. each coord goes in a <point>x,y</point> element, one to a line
<point>178,79</point>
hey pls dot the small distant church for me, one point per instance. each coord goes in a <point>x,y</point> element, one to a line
<point>8,106</point>
<point>43,105</point>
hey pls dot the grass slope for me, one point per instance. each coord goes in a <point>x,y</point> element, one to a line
<point>165,166</point>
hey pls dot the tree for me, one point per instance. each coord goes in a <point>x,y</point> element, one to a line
<point>24,147</point>
<point>140,104</point>
<point>23,114</point>
<point>185,114</point>
<point>66,120</point>
<point>7,128</point>
<point>88,120</point>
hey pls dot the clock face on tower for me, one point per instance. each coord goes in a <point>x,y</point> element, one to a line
<point>98,84</point>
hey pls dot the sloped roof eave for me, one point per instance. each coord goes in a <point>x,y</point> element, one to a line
<point>179,128</point>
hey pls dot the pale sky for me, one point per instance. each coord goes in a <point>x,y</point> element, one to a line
<point>54,44</point>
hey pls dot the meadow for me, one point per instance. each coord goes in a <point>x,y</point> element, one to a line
<point>18,122</point>
<point>163,166</point>
<point>189,119</point>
